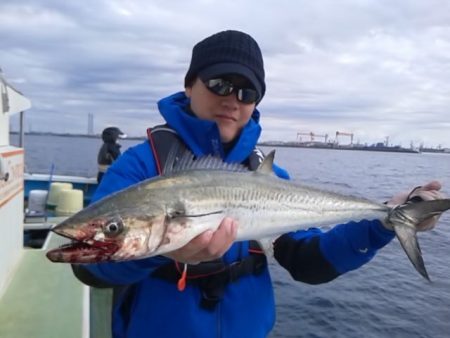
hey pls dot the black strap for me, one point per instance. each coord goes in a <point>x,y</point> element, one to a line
<point>253,263</point>
<point>416,198</point>
<point>213,277</point>
<point>163,140</point>
<point>213,286</point>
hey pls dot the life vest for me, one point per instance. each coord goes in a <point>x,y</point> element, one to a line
<point>211,277</point>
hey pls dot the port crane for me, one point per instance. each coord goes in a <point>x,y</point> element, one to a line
<point>312,136</point>
<point>339,133</point>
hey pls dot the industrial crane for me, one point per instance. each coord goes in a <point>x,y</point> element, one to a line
<point>325,137</point>
<point>312,136</point>
<point>338,133</point>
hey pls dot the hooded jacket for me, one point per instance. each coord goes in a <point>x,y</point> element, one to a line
<point>110,149</point>
<point>153,307</point>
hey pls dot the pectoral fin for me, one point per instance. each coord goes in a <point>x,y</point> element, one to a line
<point>266,245</point>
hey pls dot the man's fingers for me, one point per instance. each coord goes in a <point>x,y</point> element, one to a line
<point>209,245</point>
<point>221,240</point>
<point>429,191</point>
<point>223,237</point>
<point>431,195</point>
<point>433,185</point>
<point>198,243</point>
<point>187,253</point>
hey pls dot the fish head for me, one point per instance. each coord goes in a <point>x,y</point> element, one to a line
<point>94,241</point>
<point>98,236</point>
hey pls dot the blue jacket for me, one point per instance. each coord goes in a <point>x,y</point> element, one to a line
<point>247,309</point>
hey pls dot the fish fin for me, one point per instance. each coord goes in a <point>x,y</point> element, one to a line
<point>172,158</point>
<point>188,161</point>
<point>266,167</point>
<point>408,240</point>
<point>266,245</point>
<point>405,218</point>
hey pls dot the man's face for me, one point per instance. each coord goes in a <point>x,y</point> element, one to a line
<point>229,114</point>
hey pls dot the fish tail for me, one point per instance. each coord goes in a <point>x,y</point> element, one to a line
<point>405,218</point>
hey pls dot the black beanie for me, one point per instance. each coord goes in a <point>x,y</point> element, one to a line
<point>228,52</point>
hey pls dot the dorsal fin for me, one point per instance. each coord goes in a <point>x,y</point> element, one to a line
<point>172,158</point>
<point>187,161</point>
<point>266,167</point>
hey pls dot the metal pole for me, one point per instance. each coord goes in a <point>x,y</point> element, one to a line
<point>22,132</point>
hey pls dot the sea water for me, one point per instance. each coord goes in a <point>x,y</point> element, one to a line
<point>384,298</point>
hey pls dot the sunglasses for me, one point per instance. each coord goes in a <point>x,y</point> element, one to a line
<point>223,87</point>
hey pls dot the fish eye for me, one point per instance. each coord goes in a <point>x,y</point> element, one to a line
<point>113,227</point>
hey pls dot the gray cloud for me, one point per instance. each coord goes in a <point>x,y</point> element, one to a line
<point>376,68</point>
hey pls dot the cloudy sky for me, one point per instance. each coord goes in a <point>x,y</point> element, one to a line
<point>376,69</point>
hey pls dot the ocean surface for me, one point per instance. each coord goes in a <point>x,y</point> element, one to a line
<point>386,297</point>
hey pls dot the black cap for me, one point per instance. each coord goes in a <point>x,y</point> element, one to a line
<point>111,134</point>
<point>228,52</point>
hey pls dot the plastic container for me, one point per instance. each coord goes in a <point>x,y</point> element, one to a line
<point>36,201</point>
<point>55,189</point>
<point>70,201</point>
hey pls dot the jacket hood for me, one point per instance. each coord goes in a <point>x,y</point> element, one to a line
<point>203,136</point>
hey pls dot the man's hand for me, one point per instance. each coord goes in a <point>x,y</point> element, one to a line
<point>207,246</point>
<point>427,192</point>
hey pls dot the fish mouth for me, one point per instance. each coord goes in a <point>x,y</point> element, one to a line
<point>82,249</point>
<point>83,252</point>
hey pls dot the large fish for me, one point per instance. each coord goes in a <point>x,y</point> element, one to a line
<point>162,214</point>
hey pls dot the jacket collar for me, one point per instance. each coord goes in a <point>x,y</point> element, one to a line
<point>202,136</point>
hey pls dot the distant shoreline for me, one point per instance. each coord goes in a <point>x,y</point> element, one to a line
<point>354,147</point>
<point>310,145</point>
<point>72,135</point>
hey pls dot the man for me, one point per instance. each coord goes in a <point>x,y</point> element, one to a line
<point>109,151</point>
<point>216,114</point>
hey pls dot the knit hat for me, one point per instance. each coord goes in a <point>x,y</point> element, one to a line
<point>228,52</point>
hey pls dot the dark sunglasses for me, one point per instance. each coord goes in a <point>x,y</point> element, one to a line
<point>223,87</point>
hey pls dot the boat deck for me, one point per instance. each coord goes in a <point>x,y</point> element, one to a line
<point>43,299</point>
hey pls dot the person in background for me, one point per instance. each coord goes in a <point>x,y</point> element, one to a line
<point>109,151</point>
<point>230,293</point>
